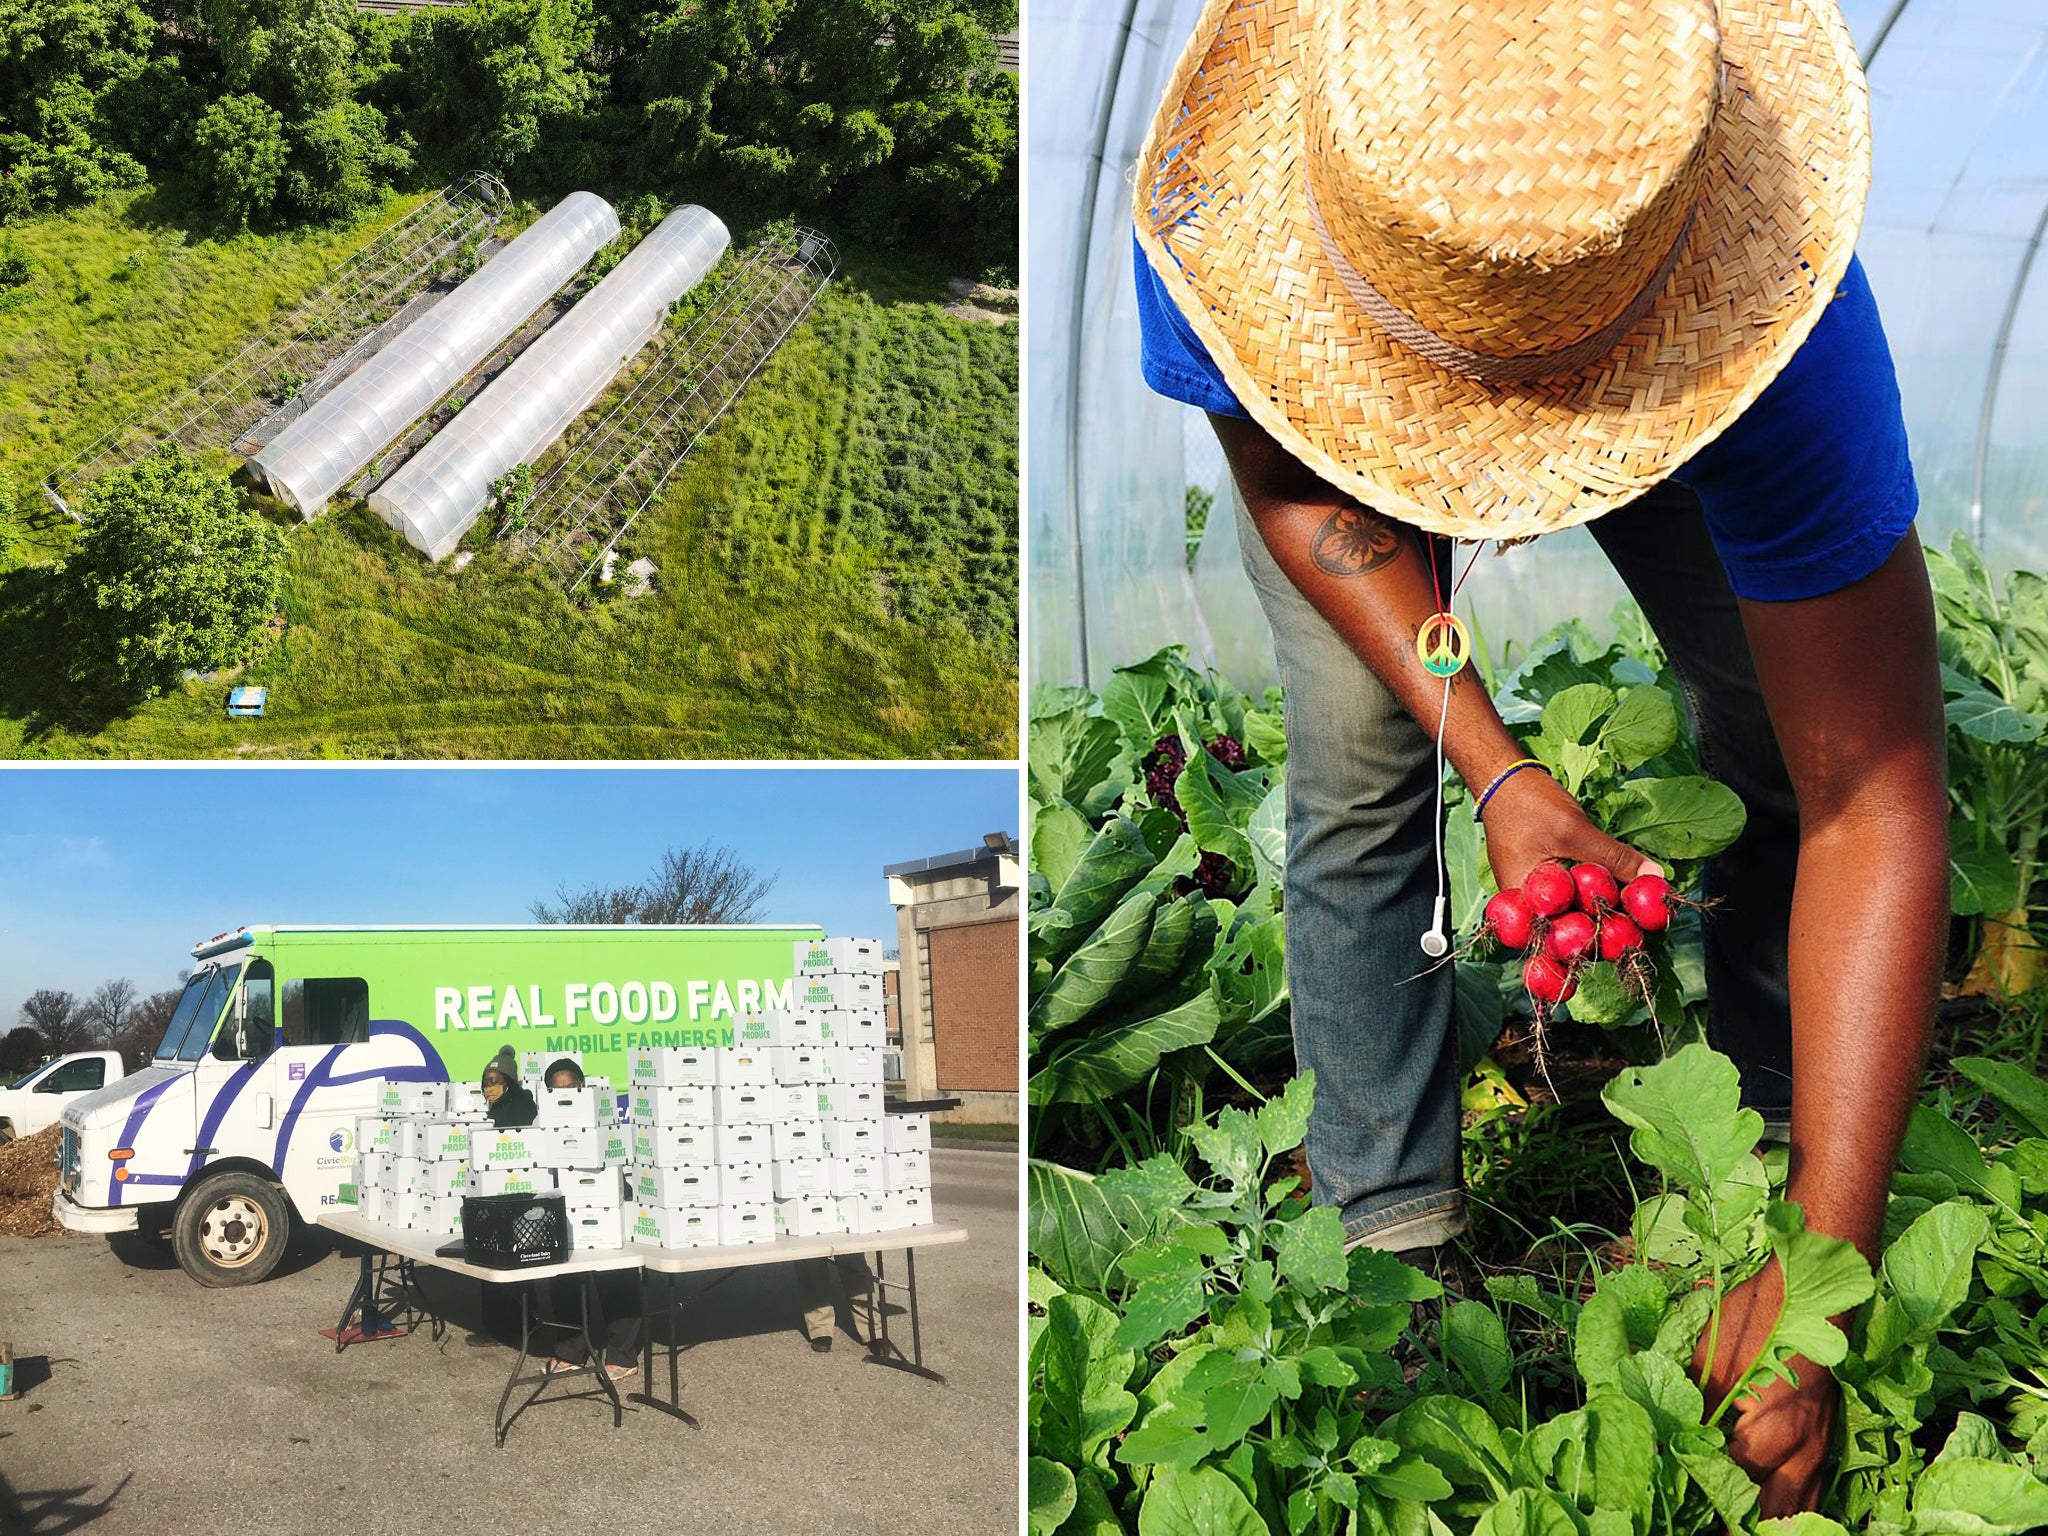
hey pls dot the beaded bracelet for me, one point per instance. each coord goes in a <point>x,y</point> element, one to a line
<point>1504,775</point>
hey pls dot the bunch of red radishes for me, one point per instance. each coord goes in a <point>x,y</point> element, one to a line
<point>1562,919</point>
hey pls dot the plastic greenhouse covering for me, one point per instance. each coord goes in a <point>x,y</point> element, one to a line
<point>1958,209</point>
<point>438,494</point>
<point>349,426</point>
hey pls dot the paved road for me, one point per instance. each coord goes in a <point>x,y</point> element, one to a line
<point>157,1405</point>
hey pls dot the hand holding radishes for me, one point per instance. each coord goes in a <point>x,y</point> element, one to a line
<point>1574,832</point>
<point>1564,918</point>
<point>1531,820</point>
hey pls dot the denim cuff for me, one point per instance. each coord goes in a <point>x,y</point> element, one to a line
<point>1422,1222</point>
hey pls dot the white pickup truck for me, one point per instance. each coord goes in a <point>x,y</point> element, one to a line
<point>34,1102</point>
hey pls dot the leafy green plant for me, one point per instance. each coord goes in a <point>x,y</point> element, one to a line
<point>17,271</point>
<point>238,153</point>
<point>169,572</point>
<point>1204,1356</point>
<point>1157,838</point>
<point>1994,669</point>
<point>512,494</point>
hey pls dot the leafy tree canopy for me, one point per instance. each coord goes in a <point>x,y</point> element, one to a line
<point>70,75</point>
<point>238,153</point>
<point>169,572</point>
<point>886,120</point>
<point>495,76</point>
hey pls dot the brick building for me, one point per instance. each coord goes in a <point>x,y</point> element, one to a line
<point>953,999</point>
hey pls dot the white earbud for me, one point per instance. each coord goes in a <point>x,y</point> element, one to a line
<point>1434,943</point>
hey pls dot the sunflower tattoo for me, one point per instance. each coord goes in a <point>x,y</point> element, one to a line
<point>1355,541</point>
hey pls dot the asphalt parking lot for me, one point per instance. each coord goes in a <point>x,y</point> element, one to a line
<point>154,1404</point>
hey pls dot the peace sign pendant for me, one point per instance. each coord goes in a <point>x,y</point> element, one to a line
<point>1443,645</point>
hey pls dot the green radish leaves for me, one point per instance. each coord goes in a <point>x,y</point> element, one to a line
<point>1211,1354</point>
<point>1687,1116</point>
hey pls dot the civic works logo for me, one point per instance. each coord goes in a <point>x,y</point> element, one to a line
<point>295,1072</point>
<point>342,1141</point>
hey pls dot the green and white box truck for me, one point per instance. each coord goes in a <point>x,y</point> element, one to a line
<point>284,1039</point>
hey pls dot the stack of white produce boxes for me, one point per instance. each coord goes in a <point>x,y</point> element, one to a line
<point>576,1148</point>
<point>840,980</point>
<point>783,1133</point>
<point>413,1156</point>
<point>434,1143</point>
<point>839,984</point>
<point>703,1124</point>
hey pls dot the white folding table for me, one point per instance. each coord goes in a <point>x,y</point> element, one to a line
<point>415,1248</point>
<point>412,1248</point>
<point>882,1350</point>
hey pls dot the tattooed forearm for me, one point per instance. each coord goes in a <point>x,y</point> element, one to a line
<point>1355,541</point>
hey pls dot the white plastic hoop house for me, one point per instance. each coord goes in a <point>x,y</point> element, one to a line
<point>438,494</point>
<point>324,449</point>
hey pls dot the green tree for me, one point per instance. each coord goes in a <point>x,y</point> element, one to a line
<point>169,572</point>
<point>495,78</point>
<point>341,162</point>
<point>238,152</point>
<point>298,55</point>
<point>892,113</point>
<point>64,67</point>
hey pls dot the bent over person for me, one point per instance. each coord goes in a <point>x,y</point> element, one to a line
<point>1490,271</point>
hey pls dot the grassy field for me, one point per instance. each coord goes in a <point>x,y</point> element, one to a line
<point>838,560</point>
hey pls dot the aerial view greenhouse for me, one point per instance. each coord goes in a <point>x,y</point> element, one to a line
<point>346,428</point>
<point>1517,1040</point>
<point>402,380</point>
<point>440,490</point>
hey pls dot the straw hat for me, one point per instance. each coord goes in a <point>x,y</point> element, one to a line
<point>1498,266</point>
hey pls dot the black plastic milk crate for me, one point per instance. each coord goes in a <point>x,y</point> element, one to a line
<point>514,1231</point>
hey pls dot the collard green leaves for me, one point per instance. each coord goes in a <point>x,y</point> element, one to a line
<point>1158,845</point>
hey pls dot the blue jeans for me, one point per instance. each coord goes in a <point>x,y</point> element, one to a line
<point>1383,1143</point>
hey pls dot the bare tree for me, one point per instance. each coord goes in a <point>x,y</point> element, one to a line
<point>57,1017</point>
<point>146,1024</point>
<point>705,884</point>
<point>106,1012</point>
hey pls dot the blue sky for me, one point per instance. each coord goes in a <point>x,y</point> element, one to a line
<point>115,872</point>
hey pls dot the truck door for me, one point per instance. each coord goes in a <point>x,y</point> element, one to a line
<point>229,1078</point>
<point>274,1088</point>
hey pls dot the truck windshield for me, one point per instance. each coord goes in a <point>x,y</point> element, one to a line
<point>198,1010</point>
<point>34,1073</point>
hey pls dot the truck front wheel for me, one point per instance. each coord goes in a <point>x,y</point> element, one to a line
<point>231,1229</point>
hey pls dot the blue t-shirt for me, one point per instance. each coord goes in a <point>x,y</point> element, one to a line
<point>1807,494</point>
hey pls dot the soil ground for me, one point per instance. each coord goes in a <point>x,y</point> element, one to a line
<point>153,1404</point>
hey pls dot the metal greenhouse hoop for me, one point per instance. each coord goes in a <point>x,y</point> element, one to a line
<point>588,498</point>
<point>316,343</point>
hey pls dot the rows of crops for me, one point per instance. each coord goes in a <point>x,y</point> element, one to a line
<point>1205,1357</point>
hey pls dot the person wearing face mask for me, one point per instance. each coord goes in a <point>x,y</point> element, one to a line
<point>509,1102</point>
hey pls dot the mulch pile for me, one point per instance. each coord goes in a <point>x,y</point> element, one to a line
<point>28,1182</point>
